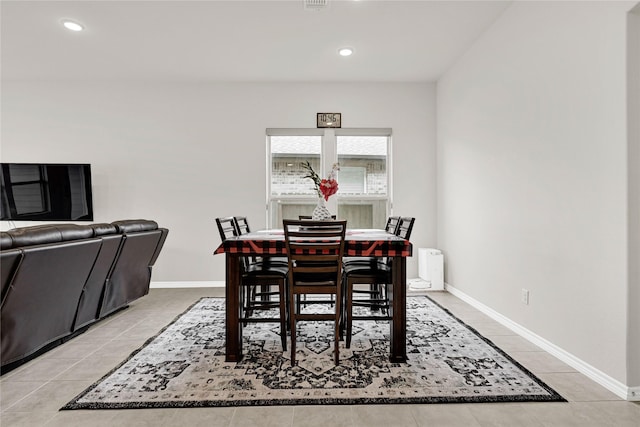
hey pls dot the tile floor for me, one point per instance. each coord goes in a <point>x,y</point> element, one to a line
<point>32,394</point>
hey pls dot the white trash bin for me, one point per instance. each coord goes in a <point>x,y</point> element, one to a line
<point>431,267</point>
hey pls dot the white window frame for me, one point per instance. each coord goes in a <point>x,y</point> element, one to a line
<point>328,156</point>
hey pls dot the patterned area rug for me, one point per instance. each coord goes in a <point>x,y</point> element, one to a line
<point>183,366</point>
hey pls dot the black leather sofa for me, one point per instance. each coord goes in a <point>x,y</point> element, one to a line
<point>58,279</point>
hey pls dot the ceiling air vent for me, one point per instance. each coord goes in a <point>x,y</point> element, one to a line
<point>315,5</point>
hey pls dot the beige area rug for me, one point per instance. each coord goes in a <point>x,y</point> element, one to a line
<point>183,366</point>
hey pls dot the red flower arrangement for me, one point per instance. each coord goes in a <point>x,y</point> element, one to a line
<point>325,187</point>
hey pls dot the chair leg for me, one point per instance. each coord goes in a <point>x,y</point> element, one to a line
<point>251,296</point>
<point>245,295</point>
<point>383,289</point>
<point>292,326</point>
<point>283,316</point>
<point>336,337</point>
<point>343,314</point>
<point>348,314</point>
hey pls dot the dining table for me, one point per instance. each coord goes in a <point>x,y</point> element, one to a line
<point>358,243</point>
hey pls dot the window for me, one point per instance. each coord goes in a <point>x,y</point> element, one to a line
<point>353,180</point>
<point>363,197</point>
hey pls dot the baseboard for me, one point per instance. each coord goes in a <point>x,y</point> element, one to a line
<point>194,284</point>
<point>611,384</point>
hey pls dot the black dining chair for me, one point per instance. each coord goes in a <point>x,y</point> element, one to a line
<point>405,227</point>
<point>378,275</point>
<point>256,281</point>
<point>393,223</point>
<point>259,296</point>
<point>243,228</point>
<point>314,250</point>
<point>375,290</point>
<point>303,299</point>
<point>227,227</point>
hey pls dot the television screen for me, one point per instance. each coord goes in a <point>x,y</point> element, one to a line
<point>46,192</point>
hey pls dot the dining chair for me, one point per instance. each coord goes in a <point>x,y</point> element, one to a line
<point>405,227</point>
<point>258,275</point>
<point>376,274</point>
<point>375,291</point>
<point>226,227</point>
<point>393,223</point>
<point>314,250</point>
<point>242,224</point>
<point>258,297</point>
<point>303,300</point>
<point>243,228</point>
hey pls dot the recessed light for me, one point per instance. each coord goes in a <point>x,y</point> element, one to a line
<point>71,25</point>
<point>345,51</point>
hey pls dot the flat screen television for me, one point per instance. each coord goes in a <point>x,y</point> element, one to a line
<point>46,192</point>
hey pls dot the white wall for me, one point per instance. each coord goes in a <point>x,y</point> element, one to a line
<point>183,154</point>
<point>532,175</point>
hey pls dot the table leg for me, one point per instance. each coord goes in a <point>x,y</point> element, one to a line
<point>233,308</point>
<point>398,309</point>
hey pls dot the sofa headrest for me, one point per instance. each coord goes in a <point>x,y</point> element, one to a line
<point>6,242</point>
<point>103,229</point>
<point>42,234</point>
<point>135,225</point>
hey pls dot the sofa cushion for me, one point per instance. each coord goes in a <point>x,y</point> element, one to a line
<point>43,234</point>
<point>37,235</point>
<point>74,232</point>
<point>135,225</point>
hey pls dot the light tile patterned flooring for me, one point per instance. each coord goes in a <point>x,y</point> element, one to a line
<point>32,394</point>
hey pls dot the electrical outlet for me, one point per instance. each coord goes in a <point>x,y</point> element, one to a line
<point>525,296</point>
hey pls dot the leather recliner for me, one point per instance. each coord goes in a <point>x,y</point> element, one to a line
<point>59,279</point>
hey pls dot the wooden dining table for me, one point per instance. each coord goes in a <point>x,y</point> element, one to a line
<point>358,243</point>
